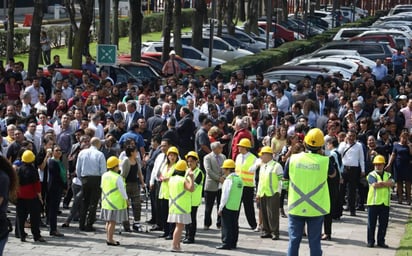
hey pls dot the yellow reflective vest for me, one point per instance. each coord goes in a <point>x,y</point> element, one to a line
<point>268,179</point>
<point>308,189</point>
<point>379,196</point>
<point>235,194</point>
<point>197,193</point>
<point>166,172</point>
<point>242,169</point>
<point>112,199</point>
<point>179,198</point>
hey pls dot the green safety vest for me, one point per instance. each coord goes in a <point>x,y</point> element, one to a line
<point>242,169</point>
<point>179,198</point>
<point>235,194</point>
<point>379,196</point>
<point>308,191</point>
<point>268,180</point>
<point>112,199</point>
<point>164,186</point>
<point>197,193</point>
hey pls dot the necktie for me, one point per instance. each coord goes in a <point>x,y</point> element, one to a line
<point>218,160</point>
<point>142,110</point>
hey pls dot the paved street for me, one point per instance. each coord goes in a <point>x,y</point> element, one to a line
<point>348,238</point>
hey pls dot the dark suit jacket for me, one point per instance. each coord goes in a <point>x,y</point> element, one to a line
<point>94,109</point>
<point>148,112</point>
<point>55,182</point>
<point>136,116</point>
<point>155,121</point>
<point>186,129</point>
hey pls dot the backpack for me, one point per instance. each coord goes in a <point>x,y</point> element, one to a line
<point>337,161</point>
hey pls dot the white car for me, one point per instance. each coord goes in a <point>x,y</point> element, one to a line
<point>322,54</point>
<point>221,49</point>
<point>193,56</point>
<point>345,67</point>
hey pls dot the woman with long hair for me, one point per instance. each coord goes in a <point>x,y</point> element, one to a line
<point>8,192</point>
<point>56,183</point>
<point>279,141</point>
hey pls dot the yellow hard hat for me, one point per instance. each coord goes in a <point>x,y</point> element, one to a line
<point>193,154</point>
<point>228,164</point>
<point>315,138</point>
<point>379,159</point>
<point>112,162</point>
<point>172,150</point>
<point>28,157</point>
<point>181,166</point>
<point>245,142</point>
<point>266,149</point>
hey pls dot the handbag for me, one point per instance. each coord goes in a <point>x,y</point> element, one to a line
<point>5,226</point>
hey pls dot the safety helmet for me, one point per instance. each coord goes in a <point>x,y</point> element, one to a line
<point>28,157</point>
<point>266,149</point>
<point>245,142</point>
<point>315,138</point>
<point>379,159</point>
<point>181,166</point>
<point>193,154</point>
<point>172,150</point>
<point>228,164</point>
<point>112,162</point>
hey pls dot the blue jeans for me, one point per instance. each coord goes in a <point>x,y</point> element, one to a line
<point>296,226</point>
<point>2,244</point>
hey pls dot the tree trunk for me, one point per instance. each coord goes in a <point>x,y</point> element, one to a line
<point>35,48</point>
<point>241,10</point>
<point>285,9</point>
<point>69,4</point>
<point>197,24</point>
<point>221,10</point>
<point>115,34</point>
<point>252,17</point>
<point>177,27</point>
<point>136,28</point>
<point>10,31</point>
<point>82,34</point>
<point>102,22</point>
<point>230,16</point>
<point>168,23</point>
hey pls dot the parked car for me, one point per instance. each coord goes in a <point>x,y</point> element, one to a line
<point>371,51</point>
<point>375,39</point>
<point>400,8</point>
<point>344,66</point>
<point>235,42</point>
<point>120,74</point>
<point>140,70</point>
<point>193,56</point>
<point>322,54</point>
<point>221,49</point>
<point>346,33</point>
<point>66,71</point>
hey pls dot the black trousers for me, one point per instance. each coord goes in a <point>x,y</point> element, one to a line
<point>230,228</point>
<point>210,198</point>
<point>247,200</point>
<point>164,212</point>
<point>191,228</point>
<point>377,213</point>
<point>53,202</point>
<point>25,207</point>
<point>351,176</point>
<point>91,194</point>
<point>153,203</point>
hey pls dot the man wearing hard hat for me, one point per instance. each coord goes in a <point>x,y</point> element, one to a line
<point>171,66</point>
<point>232,189</point>
<point>268,191</point>
<point>379,197</point>
<point>244,162</point>
<point>308,198</point>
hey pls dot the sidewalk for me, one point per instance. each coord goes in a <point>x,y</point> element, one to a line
<point>348,238</point>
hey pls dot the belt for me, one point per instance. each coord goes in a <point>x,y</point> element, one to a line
<point>351,167</point>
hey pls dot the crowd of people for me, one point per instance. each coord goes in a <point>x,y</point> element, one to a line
<point>89,138</point>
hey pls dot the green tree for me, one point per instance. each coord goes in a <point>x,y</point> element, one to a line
<point>136,29</point>
<point>35,30</point>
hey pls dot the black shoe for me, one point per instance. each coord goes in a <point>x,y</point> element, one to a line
<point>65,225</point>
<point>169,237</point>
<point>275,237</point>
<point>23,239</point>
<point>370,245</point>
<point>361,208</point>
<point>383,245</point>
<point>89,229</point>
<point>188,241</point>
<point>39,239</point>
<point>326,237</point>
<point>59,212</point>
<point>266,236</point>
<point>163,235</point>
<point>223,247</point>
<point>56,233</point>
<point>113,244</point>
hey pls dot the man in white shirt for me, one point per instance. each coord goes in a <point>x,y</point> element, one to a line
<point>282,102</point>
<point>26,106</point>
<point>97,126</point>
<point>35,89</point>
<point>354,167</point>
<point>407,113</point>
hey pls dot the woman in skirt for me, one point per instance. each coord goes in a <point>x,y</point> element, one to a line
<point>180,197</point>
<point>114,199</point>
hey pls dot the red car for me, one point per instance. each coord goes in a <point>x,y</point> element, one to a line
<point>280,31</point>
<point>65,73</point>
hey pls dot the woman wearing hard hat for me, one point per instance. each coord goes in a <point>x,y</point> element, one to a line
<point>114,199</point>
<point>180,201</point>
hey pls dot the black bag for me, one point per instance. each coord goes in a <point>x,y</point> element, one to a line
<point>5,226</point>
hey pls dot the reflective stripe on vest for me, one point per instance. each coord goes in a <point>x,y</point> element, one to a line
<point>242,169</point>
<point>308,193</point>
<point>268,180</point>
<point>235,194</point>
<point>379,196</point>
<point>179,199</point>
<point>111,197</point>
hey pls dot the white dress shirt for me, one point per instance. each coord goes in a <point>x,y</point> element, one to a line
<point>354,156</point>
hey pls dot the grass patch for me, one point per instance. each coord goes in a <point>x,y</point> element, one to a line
<point>124,47</point>
<point>405,247</point>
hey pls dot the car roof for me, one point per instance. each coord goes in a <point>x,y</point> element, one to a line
<point>295,68</point>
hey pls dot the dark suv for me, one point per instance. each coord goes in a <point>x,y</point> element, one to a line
<point>371,50</point>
